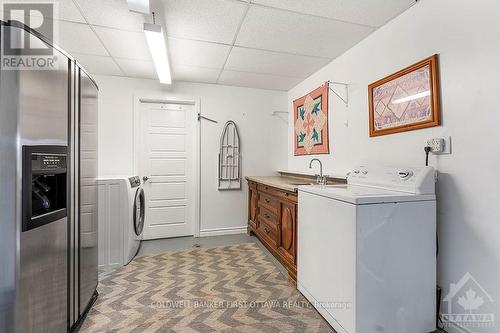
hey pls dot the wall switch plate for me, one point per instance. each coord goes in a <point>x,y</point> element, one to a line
<point>440,145</point>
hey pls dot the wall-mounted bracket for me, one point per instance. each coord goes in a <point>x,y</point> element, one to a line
<point>200,117</point>
<point>345,97</point>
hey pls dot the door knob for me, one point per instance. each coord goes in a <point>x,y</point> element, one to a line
<point>145,178</point>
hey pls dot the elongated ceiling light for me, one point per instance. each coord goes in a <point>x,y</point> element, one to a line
<point>412,97</point>
<point>158,49</point>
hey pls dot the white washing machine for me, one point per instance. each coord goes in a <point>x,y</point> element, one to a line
<point>367,250</point>
<point>121,220</point>
<point>135,226</point>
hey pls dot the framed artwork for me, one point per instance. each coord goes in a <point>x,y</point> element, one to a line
<point>406,100</point>
<point>311,122</point>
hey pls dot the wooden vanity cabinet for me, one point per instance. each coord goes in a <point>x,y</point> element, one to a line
<point>272,218</point>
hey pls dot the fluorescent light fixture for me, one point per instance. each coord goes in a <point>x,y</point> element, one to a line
<point>158,49</point>
<point>139,6</point>
<point>412,97</point>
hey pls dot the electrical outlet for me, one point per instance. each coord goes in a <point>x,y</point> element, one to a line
<point>440,145</point>
<point>436,144</point>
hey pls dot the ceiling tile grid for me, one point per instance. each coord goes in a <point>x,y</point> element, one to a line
<point>256,80</point>
<point>124,44</point>
<point>63,10</point>
<point>98,64</point>
<point>282,31</point>
<point>364,12</point>
<point>79,38</point>
<point>111,14</point>
<point>137,68</point>
<point>207,20</point>
<point>195,53</point>
<point>268,44</point>
<point>268,62</point>
<point>195,74</point>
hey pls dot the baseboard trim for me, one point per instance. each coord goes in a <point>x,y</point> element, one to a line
<point>223,231</point>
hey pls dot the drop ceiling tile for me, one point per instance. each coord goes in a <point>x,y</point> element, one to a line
<point>195,74</point>
<point>277,30</point>
<point>367,12</point>
<point>267,62</point>
<point>208,20</point>
<point>69,12</point>
<point>124,44</point>
<point>79,38</point>
<point>137,68</point>
<point>63,10</point>
<point>98,64</point>
<point>255,80</point>
<point>194,53</point>
<point>111,13</point>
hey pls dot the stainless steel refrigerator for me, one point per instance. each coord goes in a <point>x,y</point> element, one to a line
<point>48,193</point>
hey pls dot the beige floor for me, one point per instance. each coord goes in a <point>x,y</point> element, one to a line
<point>233,288</point>
<point>185,243</point>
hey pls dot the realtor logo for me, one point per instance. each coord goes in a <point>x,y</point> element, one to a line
<point>20,49</point>
<point>468,305</point>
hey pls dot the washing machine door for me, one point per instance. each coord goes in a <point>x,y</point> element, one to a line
<point>139,203</point>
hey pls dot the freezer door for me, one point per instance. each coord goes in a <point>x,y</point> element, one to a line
<point>9,237</point>
<point>42,285</point>
<point>88,194</point>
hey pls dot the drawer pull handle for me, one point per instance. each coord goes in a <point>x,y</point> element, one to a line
<point>267,216</point>
<point>267,230</point>
<point>268,201</point>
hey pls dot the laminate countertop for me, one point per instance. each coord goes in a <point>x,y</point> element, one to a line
<point>290,182</point>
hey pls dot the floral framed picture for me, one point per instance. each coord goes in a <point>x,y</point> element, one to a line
<point>311,123</point>
<point>406,100</point>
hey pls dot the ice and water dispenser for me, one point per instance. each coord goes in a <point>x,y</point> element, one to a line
<point>44,185</point>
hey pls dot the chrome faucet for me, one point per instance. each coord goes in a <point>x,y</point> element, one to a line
<point>321,179</point>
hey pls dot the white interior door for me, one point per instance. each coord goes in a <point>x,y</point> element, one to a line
<point>167,168</point>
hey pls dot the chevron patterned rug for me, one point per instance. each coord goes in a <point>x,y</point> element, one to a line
<point>224,289</point>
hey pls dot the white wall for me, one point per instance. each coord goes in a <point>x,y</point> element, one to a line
<point>465,34</point>
<point>263,138</point>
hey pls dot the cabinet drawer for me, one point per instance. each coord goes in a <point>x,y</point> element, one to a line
<point>269,232</point>
<point>269,216</point>
<point>276,193</point>
<point>266,188</point>
<point>287,196</point>
<point>269,202</point>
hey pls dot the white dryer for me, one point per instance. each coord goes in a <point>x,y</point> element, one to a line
<point>121,220</point>
<point>367,250</point>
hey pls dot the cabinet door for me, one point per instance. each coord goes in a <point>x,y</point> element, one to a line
<point>253,199</point>
<point>288,231</point>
